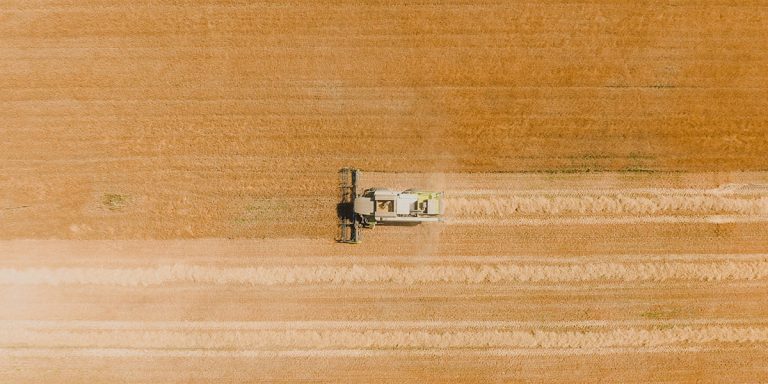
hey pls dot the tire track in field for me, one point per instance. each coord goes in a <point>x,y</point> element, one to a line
<point>149,338</point>
<point>399,274</point>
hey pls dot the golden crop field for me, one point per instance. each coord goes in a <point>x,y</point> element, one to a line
<point>168,191</point>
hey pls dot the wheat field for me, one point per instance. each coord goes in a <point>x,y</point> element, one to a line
<point>168,188</point>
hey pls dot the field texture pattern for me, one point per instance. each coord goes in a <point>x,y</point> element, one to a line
<point>168,188</point>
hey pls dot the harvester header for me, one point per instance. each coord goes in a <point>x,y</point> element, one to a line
<point>381,206</point>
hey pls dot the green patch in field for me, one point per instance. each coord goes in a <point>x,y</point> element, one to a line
<point>657,86</point>
<point>572,170</point>
<point>114,201</point>
<point>661,313</point>
<point>592,156</point>
<point>640,156</point>
<point>637,170</point>
<point>263,210</point>
<point>591,161</point>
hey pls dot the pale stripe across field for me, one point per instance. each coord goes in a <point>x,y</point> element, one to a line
<point>85,325</point>
<point>426,274</point>
<point>597,220</point>
<point>302,338</point>
<point>727,204</point>
<point>500,206</point>
<point>98,353</point>
<point>734,189</point>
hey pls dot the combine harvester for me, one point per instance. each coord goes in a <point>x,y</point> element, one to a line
<point>381,206</point>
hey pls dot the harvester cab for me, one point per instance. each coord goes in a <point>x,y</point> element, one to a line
<point>381,206</point>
